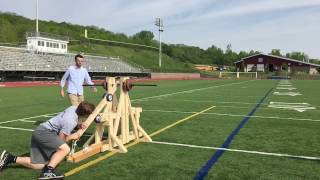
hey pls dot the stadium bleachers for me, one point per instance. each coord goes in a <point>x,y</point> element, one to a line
<point>19,59</point>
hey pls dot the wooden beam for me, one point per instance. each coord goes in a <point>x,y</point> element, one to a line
<point>85,153</point>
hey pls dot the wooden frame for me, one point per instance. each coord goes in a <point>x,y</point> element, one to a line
<point>114,115</point>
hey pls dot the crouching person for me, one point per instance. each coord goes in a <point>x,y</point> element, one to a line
<point>48,142</point>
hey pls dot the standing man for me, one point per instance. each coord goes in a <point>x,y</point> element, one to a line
<point>75,77</point>
<point>48,142</point>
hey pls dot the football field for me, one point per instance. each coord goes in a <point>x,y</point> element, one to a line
<point>201,129</point>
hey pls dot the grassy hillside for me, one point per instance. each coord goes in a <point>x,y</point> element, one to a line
<point>138,57</point>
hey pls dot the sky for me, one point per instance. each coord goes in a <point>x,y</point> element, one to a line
<point>261,25</point>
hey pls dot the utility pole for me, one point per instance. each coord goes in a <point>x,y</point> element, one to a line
<point>37,17</point>
<point>159,23</point>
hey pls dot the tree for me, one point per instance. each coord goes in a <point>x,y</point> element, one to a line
<point>242,54</point>
<point>296,55</point>
<point>214,55</point>
<point>228,50</point>
<point>230,57</point>
<point>275,52</point>
<point>144,37</point>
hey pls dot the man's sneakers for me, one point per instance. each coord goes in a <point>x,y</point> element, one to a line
<point>48,173</point>
<point>4,159</point>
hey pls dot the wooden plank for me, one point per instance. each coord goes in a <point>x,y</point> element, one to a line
<point>85,153</point>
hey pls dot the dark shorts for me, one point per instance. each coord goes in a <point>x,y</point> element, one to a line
<point>43,144</point>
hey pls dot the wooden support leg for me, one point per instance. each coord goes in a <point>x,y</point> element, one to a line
<point>110,132</point>
<point>134,125</point>
<point>88,142</point>
<point>99,133</point>
<point>146,136</point>
<point>119,143</point>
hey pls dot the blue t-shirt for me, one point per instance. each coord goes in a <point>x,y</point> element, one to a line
<point>64,122</point>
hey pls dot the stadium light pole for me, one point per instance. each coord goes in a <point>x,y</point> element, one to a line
<point>159,23</point>
<point>37,14</point>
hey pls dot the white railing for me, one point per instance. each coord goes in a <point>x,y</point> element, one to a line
<point>238,74</point>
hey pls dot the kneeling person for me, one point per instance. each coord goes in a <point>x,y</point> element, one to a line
<point>48,142</point>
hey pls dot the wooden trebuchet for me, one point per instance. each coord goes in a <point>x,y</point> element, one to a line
<point>115,115</point>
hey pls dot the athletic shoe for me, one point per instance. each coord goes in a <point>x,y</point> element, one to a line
<point>49,174</point>
<point>4,159</point>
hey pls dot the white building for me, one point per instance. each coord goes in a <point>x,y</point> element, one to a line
<point>48,43</point>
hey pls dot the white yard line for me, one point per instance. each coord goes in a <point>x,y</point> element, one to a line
<point>4,122</point>
<point>238,150</point>
<point>48,116</point>
<point>28,121</point>
<point>30,130</point>
<point>233,115</point>
<point>23,119</point>
<point>13,128</point>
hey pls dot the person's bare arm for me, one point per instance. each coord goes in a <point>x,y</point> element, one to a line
<point>63,136</point>
<point>67,138</point>
<point>74,136</point>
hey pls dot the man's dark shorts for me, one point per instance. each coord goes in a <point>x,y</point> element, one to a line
<point>43,144</point>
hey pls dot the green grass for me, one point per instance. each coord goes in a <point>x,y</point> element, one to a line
<point>234,99</point>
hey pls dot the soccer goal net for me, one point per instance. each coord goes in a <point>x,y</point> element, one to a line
<point>237,75</point>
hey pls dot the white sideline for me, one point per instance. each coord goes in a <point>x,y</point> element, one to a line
<point>204,147</point>
<point>234,115</point>
<point>189,91</point>
<point>238,150</point>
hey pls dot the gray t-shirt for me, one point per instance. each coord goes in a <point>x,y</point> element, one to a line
<point>64,122</point>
